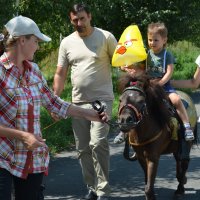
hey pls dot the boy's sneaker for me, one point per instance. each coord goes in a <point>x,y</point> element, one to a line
<point>189,135</point>
<point>119,139</point>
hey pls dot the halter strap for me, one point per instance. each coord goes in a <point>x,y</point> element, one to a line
<point>146,142</point>
<point>134,88</point>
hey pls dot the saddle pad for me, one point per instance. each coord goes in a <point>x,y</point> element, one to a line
<point>174,128</point>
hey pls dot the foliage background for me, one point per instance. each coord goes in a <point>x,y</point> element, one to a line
<point>181,18</point>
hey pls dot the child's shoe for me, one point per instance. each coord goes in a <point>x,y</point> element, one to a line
<point>189,135</point>
<point>119,138</point>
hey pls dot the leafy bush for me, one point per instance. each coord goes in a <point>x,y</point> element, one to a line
<point>58,135</point>
<point>185,54</point>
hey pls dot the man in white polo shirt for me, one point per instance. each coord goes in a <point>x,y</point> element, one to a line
<point>88,52</point>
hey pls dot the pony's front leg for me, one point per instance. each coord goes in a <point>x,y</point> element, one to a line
<point>152,166</point>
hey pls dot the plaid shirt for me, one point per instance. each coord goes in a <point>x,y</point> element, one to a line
<point>21,98</point>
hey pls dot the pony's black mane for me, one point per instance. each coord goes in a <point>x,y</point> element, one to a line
<point>155,96</point>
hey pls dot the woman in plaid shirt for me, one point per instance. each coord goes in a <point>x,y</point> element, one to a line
<point>23,90</point>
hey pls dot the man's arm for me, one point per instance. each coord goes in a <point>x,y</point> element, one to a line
<point>59,80</point>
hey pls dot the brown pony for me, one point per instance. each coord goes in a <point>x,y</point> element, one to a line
<point>147,119</point>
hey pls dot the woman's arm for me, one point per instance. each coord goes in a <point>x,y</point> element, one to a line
<point>88,114</point>
<point>30,141</point>
<point>190,83</point>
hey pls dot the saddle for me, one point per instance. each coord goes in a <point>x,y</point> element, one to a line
<point>176,124</point>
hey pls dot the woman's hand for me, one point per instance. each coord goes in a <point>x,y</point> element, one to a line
<point>103,117</point>
<point>100,108</point>
<point>31,141</point>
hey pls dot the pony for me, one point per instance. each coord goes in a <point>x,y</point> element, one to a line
<point>153,128</point>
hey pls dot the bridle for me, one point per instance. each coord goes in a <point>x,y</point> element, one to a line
<point>138,114</point>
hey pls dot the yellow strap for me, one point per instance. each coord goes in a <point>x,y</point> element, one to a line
<point>146,142</point>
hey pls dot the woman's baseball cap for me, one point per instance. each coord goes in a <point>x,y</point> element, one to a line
<point>21,25</point>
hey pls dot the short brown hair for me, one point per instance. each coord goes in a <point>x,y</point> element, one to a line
<point>158,28</point>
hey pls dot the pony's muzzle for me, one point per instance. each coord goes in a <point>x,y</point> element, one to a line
<point>126,123</point>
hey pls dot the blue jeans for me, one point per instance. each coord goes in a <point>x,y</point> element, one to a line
<point>24,189</point>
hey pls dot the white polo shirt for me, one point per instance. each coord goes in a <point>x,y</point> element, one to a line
<point>198,61</point>
<point>89,59</point>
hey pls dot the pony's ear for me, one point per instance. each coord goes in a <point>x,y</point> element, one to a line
<point>124,82</point>
<point>145,81</point>
<point>139,81</point>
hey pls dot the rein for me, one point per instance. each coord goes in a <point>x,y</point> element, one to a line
<point>131,124</point>
<point>146,142</point>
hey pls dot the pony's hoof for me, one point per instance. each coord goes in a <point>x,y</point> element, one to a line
<point>180,191</point>
<point>133,157</point>
<point>184,180</point>
<point>130,158</point>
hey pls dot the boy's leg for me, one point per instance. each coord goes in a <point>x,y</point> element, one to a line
<point>119,138</point>
<point>176,100</point>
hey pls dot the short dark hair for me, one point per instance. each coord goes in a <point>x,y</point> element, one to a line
<point>79,7</point>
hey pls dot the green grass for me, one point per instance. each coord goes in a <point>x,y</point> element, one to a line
<point>60,136</point>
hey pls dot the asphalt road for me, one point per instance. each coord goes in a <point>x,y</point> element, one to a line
<point>64,181</point>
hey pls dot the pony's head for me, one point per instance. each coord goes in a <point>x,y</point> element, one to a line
<point>141,99</point>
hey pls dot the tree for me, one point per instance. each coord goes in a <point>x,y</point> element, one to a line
<point>181,17</point>
<point>6,11</point>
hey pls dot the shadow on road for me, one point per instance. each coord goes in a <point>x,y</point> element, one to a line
<point>64,181</point>
<point>126,178</point>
